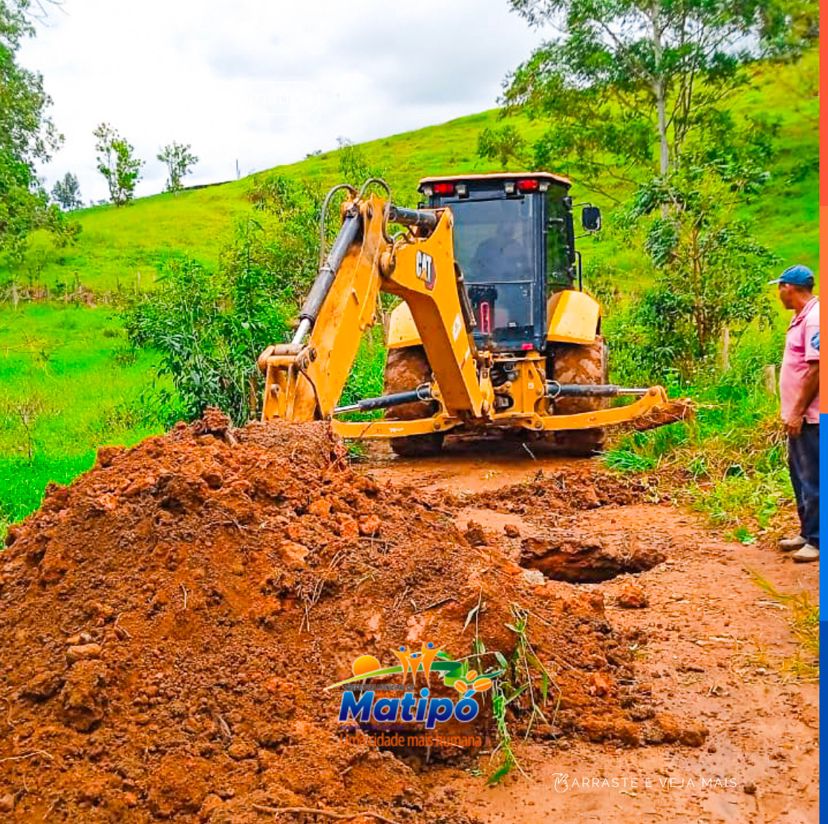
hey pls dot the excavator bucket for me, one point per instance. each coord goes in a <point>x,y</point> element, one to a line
<point>673,411</point>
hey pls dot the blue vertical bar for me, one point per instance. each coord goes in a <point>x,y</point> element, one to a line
<point>823,621</point>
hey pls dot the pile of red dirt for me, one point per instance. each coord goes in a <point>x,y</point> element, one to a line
<point>169,623</point>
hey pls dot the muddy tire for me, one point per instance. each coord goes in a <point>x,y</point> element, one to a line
<point>405,369</point>
<point>580,364</point>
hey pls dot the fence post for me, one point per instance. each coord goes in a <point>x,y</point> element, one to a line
<point>770,378</point>
<point>726,349</point>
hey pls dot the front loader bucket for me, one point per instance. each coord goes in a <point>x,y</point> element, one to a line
<point>680,409</point>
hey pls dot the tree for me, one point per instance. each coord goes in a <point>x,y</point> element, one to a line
<point>26,412</point>
<point>711,273</point>
<point>210,327</point>
<point>67,192</point>
<point>627,76</point>
<point>117,163</point>
<point>504,144</point>
<point>27,137</point>
<point>179,160</point>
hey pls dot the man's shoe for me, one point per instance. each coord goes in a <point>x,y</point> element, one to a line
<point>787,544</point>
<point>808,553</point>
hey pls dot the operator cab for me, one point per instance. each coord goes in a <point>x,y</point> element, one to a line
<point>515,243</point>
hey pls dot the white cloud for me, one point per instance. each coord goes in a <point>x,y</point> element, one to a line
<point>263,82</point>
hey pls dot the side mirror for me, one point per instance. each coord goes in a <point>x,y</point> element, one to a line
<point>591,218</point>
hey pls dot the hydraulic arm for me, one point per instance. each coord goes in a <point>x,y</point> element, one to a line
<point>304,378</point>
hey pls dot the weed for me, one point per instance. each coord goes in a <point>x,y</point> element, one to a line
<point>742,535</point>
<point>524,677</point>
<point>627,460</point>
<point>356,450</point>
<point>504,737</point>
<point>804,618</point>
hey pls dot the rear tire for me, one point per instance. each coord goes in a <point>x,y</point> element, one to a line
<point>407,368</point>
<point>580,364</point>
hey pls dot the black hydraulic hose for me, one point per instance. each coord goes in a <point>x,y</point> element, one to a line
<point>327,272</point>
<point>323,215</point>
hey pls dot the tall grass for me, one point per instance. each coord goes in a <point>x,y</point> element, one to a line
<point>733,453</point>
<point>804,618</point>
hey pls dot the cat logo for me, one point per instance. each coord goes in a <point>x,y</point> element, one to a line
<point>425,270</point>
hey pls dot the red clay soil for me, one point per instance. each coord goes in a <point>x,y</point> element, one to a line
<point>170,620</point>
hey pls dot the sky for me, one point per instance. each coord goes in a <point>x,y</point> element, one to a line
<point>263,82</point>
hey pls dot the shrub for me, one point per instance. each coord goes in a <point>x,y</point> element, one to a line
<point>209,330</point>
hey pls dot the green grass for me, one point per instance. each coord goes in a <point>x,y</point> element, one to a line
<point>732,455</point>
<point>70,383</point>
<point>787,214</point>
<point>73,364</point>
<point>127,247</point>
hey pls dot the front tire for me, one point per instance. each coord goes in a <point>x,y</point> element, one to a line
<point>580,364</point>
<point>407,368</point>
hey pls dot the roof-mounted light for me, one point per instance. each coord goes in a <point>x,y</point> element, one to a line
<point>528,184</point>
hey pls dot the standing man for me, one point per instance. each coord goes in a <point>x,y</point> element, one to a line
<point>799,394</point>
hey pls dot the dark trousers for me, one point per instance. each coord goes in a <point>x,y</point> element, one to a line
<point>803,461</point>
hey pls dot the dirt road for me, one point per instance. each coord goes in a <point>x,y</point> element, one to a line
<point>175,621</point>
<point>711,643</point>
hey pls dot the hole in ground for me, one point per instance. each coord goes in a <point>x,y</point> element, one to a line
<point>586,559</point>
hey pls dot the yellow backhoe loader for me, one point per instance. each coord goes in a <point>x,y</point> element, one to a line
<point>493,332</point>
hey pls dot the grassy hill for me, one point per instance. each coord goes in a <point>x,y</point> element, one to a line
<point>69,381</point>
<point>130,245</point>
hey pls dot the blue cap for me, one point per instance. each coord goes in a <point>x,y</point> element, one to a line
<point>798,275</point>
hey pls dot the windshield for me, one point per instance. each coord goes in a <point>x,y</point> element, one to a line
<point>494,245</point>
<point>492,239</point>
